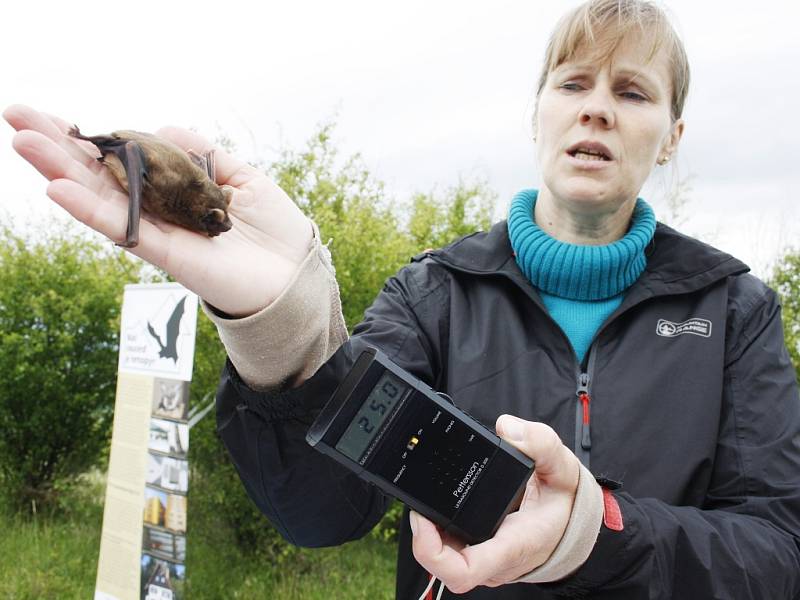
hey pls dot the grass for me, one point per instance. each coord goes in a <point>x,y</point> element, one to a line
<point>55,556</point>
<point>48,558</point>
<point>359,570</point>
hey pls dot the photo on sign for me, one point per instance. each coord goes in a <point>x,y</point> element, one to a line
<point>155,506</point>
<point>169,437</point>
<point>170,398</point>
<point>175,513</point>
<point>169,473</point>
<point>161,579</point>
<point>164,510</point>
<point>158,542</point>
<point>164,544</point>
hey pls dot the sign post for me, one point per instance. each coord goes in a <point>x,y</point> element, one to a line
<point>143,541</point>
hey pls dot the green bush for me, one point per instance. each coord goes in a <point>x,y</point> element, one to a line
<point>786,281</point>
<point>60,298</point>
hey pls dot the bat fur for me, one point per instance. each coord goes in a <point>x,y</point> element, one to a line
<point>164,180</point>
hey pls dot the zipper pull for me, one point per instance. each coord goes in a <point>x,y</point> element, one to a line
<point>583,395</point>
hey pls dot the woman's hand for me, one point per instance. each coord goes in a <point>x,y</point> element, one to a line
<point>526,538</point>
<point>238,272</point>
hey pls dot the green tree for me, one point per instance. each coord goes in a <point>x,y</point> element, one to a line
<point>437,220</point>
<point>354,217</point>
<point>60,297</point>
<point>786,281</point>
<point>371,236</point>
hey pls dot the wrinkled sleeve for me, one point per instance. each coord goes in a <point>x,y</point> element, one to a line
<point>745,541</point>
<point>311,499</point>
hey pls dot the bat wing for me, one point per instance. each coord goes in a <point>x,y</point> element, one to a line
<point>133,160</point>
<point>152,332</point>
<point>173,329</point>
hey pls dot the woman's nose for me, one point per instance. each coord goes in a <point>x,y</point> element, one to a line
<point>598,110</point>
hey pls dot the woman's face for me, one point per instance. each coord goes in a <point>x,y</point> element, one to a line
<point>602,127</point>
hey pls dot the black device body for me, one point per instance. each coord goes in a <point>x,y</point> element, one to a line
<point>394,431</point>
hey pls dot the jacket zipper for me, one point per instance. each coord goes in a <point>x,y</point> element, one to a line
<point>583,436</point>
<point>583,423</point>
<point>583,433</point>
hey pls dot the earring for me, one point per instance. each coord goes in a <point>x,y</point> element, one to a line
<point>663,160</point>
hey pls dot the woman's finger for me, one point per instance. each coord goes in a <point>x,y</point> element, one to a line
<point>430,549</point>
<point>22,117</point>
<point>106,216</point>
<point>555,464</point>
<point>454,563</point>
<point>110,218</point>
<point>52,161</point>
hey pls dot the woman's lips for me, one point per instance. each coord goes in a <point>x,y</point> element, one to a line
<point>588,164</point>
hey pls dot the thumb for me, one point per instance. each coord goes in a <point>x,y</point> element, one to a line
<point>556,465</point>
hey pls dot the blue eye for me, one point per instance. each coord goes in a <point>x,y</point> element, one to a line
<point>572,87</point>
<point>633,96</point>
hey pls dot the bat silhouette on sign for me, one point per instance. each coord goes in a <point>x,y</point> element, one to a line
<point>180,187</point>
<point>170,348</point>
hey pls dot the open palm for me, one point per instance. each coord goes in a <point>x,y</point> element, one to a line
<point>239,272</point>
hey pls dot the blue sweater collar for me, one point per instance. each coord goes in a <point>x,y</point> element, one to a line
<point>573,271</point>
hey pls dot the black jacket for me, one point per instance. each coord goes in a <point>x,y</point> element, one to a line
<point>694,409</point>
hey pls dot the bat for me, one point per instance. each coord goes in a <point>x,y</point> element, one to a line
<point>162,179</point>
<point>170,349</point>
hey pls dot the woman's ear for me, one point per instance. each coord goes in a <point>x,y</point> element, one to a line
<point>672,140</point>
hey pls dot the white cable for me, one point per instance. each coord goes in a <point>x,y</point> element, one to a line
<point>429,588</point>
<point>441,589</point>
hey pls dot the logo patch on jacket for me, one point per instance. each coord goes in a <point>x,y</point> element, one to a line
<point>701,327</point>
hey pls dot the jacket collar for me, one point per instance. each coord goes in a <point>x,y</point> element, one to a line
<point>676,263</point>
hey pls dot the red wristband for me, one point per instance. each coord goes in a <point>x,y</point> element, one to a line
<point>612,515</point>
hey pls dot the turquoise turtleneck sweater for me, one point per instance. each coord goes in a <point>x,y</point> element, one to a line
<point>580,285</point>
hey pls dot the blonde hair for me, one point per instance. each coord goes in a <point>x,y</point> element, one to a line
<point>601,25</point>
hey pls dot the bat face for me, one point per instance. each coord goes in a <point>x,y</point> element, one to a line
<point>164,180</point>
<point>216,219</point>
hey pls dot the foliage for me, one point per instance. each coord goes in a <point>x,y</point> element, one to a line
<point>348,206</point>
<point>786,281</point>
<point>59,328</point>
<point>366,231</point>
<point>436,221</point>
<point>389,527</point>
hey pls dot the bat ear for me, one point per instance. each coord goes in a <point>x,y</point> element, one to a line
<point>216,214</point>
<point>215,221</point>
<point>227,194</point>
<point>198,160</point>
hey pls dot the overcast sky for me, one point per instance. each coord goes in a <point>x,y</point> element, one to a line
<point>427,92</point>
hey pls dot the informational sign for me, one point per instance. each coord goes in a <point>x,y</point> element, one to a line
<point>143,542</point>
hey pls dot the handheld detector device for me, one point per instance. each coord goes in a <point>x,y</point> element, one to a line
<point>395,432</point>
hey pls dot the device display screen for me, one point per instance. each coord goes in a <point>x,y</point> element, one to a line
<point>371,415</point>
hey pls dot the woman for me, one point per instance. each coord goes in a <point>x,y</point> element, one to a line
<point>645,371</point>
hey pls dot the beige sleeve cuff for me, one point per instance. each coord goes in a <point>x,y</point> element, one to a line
<point>287,341</point>
<point>579,537</point>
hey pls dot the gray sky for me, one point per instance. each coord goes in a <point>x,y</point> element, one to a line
<point>427,92</point>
